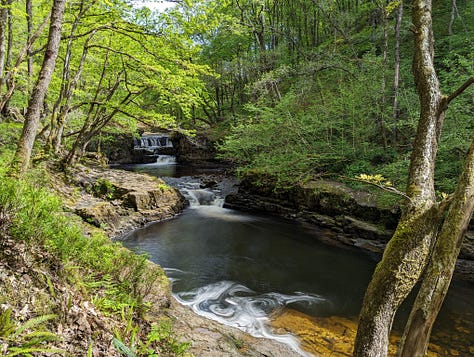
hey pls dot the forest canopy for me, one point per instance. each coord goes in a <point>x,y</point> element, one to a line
<point>294,89</point>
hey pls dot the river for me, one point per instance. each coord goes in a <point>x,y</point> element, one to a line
<point>245,270</point>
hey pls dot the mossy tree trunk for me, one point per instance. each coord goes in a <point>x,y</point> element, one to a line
<point>35,105</point>
<point>408,252</point>
<point>441,265</point>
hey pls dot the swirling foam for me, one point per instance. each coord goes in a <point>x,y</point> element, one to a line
<point>236,305</point>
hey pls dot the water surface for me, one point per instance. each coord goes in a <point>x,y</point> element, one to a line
<point>239,269</point>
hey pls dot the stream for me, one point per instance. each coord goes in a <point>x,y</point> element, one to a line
<point>243,270</point>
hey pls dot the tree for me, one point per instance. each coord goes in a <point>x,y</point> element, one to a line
<point>30,126</point>
<point>425,235</point>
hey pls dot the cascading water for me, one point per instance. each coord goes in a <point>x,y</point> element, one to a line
<point>165,160</point>
<point>152,141</point>
<point>200,275</point>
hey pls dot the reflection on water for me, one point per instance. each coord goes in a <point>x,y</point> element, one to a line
<point>238,269</point>
<point>209,244</point>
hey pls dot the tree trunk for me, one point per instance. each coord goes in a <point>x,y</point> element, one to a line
<point>30,127</point>
<point>62,105</point>
<point>441,266</point>
<point>29,28</point>
<point>383,130</point>
<point>407,253</point>
<point>454,14</point>
<point>8,59</point>
<point>396,79</point>
<point>10,75</point>
<point>3,41</point>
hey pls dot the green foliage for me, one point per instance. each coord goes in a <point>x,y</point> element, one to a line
<point>160,341</point>
<point>312,129</point>
<point>116,278</point>
<point>104,188</point>
<point>10,134</point>
<point>26,338</point>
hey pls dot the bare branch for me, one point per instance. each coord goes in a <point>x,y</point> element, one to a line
<point>390,189</point>
<point>460,90</point>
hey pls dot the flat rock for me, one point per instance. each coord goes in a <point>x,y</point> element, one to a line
<point>119,201</point>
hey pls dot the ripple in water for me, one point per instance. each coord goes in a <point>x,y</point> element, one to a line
<point>236,305</point>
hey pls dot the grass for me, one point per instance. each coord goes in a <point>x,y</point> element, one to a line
<point>115,279</point>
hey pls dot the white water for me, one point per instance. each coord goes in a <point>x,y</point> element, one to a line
<point>236,305</point>
<point>165,160</point>
<point>241,269</point>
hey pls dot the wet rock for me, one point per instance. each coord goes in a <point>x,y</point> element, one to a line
<point>334,335</point>
<point>355,215</point>
<point>365,229</point>
<point>467,249</point>
<point>208,184</point>
<point>211,339</point>
<point>193,149</point>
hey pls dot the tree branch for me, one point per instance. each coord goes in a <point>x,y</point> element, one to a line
<point>460,89</point>
<point>390,189</point>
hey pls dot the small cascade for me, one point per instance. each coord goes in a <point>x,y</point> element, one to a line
<point>166,160</point>
<point>202,197</point>
<point>153,148</point>
<point>152,141</point>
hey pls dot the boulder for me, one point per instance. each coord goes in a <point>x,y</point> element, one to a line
<point>119,201</point>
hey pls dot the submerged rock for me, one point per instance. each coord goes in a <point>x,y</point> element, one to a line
<point>335,336</point>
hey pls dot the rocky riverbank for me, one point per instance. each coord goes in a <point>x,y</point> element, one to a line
<point>117,202</point>
<point>355,217</point>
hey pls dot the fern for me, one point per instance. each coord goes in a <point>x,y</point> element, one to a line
<point>90,349</point>
<point>20,342</point>
<point>17,351</point>
<point>6,324</point>
<point>33,323</point>
<point>123,349</point>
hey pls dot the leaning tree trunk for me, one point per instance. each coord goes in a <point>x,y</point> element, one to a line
<point>441,266</point>
<point>30,127</point>
<point>407,253</point>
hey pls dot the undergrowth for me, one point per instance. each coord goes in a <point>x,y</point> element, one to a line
<point>115,279</point>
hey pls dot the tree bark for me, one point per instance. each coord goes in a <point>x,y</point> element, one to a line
<point>29,28</point>
<point>383,129</point>
<point>441,266</point>
<point>407,253</point>
<point>62,104</point>
<point>10,75</point>
<point>30,126</point>
<point>3,40</point>
<point>454,14</point>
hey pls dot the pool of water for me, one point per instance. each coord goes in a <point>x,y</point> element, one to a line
<point>242,270</point>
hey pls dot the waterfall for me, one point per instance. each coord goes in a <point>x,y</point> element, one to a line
<point>153,141</point>
<point>166,160</point>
